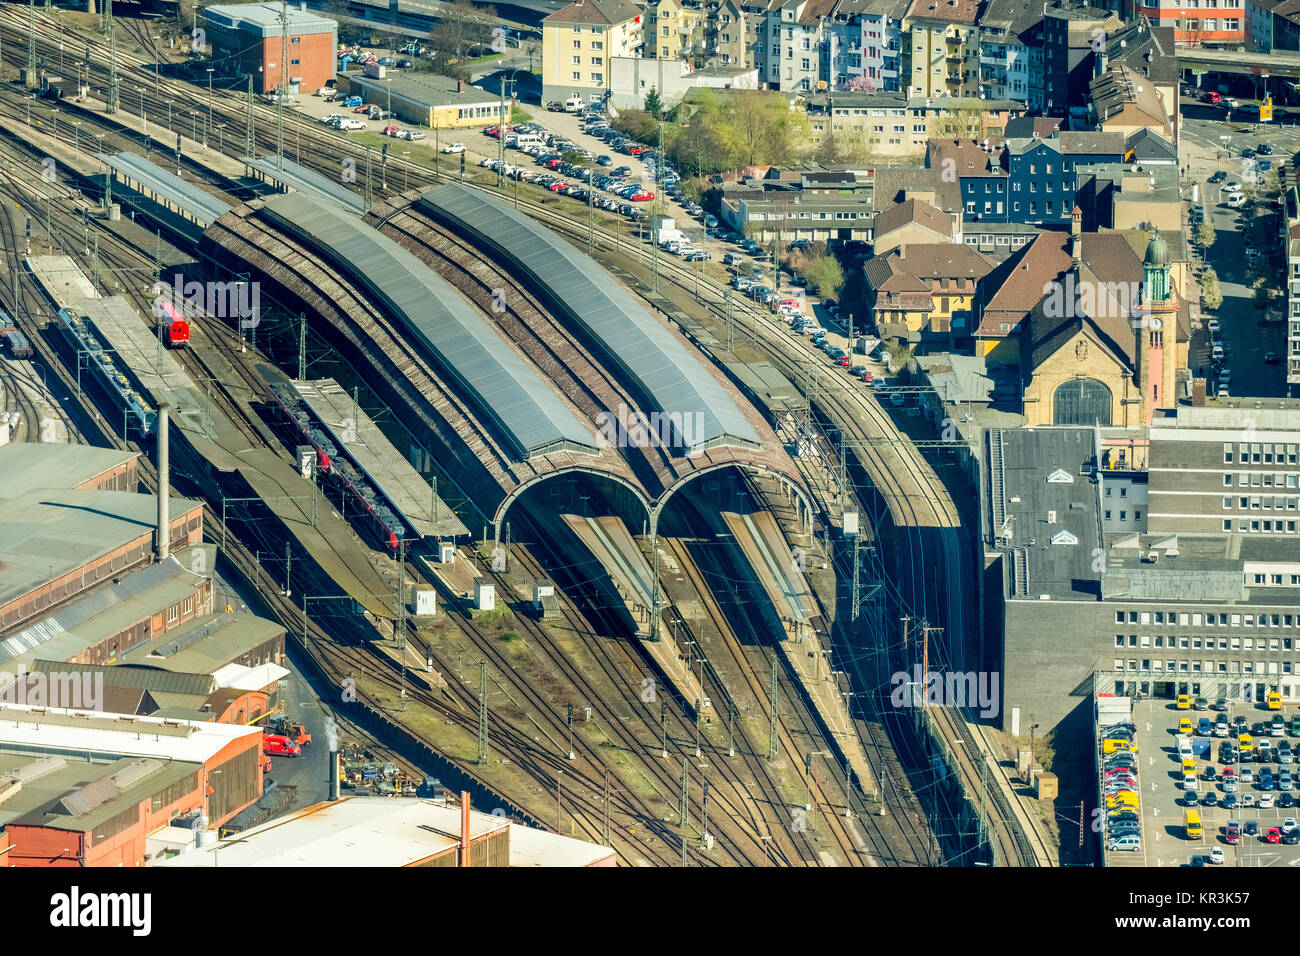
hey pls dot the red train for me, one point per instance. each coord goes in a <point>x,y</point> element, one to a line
<point>176,330</point>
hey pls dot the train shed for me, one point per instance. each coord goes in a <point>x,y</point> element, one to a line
<point>141,179</point>
<point>289,176</point>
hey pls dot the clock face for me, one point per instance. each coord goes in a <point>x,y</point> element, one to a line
<point>1156,324</point>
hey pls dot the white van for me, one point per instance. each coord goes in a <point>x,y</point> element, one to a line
<point>574,104</point>
<point>1184,747</point>
<point>1130,841</point>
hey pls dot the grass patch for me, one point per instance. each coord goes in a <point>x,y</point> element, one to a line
<point>497,617</point>
<point>509,636</point>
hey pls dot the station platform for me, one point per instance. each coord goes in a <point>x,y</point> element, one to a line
<point>615,549</point>
<point>61,279</point>
<point>359,438</point>
<point>765,547</point>
<point>763,544</point>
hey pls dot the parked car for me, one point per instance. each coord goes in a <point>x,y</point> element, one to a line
<point>454,148</point>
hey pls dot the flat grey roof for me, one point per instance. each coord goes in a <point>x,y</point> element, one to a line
<point>264,18</point>
<point>204,645</point>
<point>424,89</point>
<point>527,411</point>
<point>201,206</point>
<point>45,534</point>
<point>303,180</point>
<point>668,378</point>
<point>28,465</point>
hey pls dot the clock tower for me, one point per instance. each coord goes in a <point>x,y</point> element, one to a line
<point>1156,327</point>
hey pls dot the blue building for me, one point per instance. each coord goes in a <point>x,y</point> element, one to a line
<point>1041,173</point>
<point>978,169</point>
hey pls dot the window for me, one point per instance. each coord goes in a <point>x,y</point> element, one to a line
<point>597,61</point>
<point>577,44</point>
<point>173,613</point>
<point>187,605</point>
<point>577,75</point>
<point>597,45</point>
<point>577,60</point>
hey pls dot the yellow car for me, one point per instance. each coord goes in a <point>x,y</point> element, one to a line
<point>1184,702</point>
<point>1185,725</point>
<point>1274,700</point>
<point>1124,798</point>
<point>1244,744</point>
<point>1189,766</point>
<point>1111,746</point>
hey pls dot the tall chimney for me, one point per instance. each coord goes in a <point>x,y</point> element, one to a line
<point>164,485</point>
<point>464,828</point>
<point>334,775</point>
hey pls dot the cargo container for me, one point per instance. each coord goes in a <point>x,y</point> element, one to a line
<point>16,344</point>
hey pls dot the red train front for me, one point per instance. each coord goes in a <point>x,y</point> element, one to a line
<point>176,330</point>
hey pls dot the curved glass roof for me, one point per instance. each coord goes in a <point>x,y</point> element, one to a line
<point>668,378</point>
<point>525,409</point>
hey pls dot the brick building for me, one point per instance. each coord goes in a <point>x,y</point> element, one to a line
<point>250,36</point>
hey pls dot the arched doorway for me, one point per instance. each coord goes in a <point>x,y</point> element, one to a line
<point>1081,401</point>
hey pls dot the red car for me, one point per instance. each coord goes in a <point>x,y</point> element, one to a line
<point>645,196</point>
<point>638,150</point>
<point>556,187</point>
<point>1212,97</point>
<point>844,362</point>
<point>363,108</point>
<point>278,745</point>
<point>1274,835</point>
<point>1232,834</point>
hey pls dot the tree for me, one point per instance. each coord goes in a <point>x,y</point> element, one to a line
<point>828,151</point>
<point>1211,297</point>
<point>1205,235</point>
<point>962,123</point>
<point>1261,293</point>
<point>825,275</point>
<point>654,104</point>
<point>862,84</point>
<point>462,26</point>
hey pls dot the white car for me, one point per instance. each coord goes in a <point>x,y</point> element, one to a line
<point>1236,200</point>
<point>1288,824</point>
<point>454,148</point>
<point>1216,855</point>
<point>1213,326</point>
<point>1265,801</point>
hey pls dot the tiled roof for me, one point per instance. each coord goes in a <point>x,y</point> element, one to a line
<point>892,182</point>
<point>604,12</point>
<point>913,211</point>
<point>969,157</point>
<point>950,11</point>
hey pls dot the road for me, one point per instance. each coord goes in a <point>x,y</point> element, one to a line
<point>1246,342</point>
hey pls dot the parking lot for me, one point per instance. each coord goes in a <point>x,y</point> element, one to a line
<point>1163,798</point>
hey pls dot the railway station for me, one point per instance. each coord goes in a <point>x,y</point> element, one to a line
<point>661,477</point>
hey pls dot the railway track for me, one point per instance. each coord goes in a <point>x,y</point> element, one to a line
<point>915,496</point>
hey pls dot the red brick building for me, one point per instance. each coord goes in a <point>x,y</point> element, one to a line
<point>251,37</point>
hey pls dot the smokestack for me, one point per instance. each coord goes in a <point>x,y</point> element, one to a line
<point>164,485</point>
<point>334,774</point>
<point>464,828</point>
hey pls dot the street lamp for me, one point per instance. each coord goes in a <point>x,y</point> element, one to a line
<point>209,97</point>
<point>140,90</point>
<point>76,132</point>
<point>169,116</point>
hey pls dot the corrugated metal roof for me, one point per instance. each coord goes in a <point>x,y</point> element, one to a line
<point>148,678</point>
<point>668,377</point>
<point>201,206</point>
<point>99,613</point>
<point>527,410</point>
<point>303,180</point>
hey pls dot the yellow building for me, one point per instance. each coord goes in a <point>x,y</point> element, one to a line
<point>925,293</point>
<point>941,47</point>
<point>674,30</point>
<point>1105,344</point>
<point>578,42</point>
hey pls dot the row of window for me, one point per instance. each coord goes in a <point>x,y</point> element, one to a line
<point>1261,503</point>
<point>1123,515</point>
<point>1262,479</point>
<point>1208,643</point>
<point>1252,454</point>
<point>1210,667</point>
<point>595,77</point>
<point>1274,527</point>
<point>597,44</point>
<point>1210,618</point>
